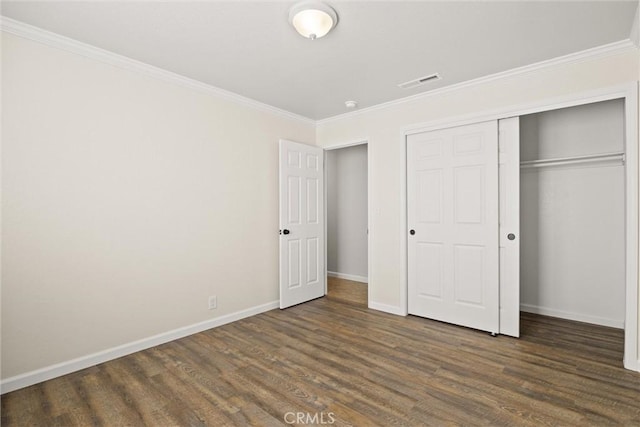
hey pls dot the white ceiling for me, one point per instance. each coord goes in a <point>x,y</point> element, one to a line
<point>250,49</point>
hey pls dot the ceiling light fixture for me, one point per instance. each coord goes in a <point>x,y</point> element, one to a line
<point>312,19</point>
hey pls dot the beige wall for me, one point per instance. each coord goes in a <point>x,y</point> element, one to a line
<point>383,129</point>
<point>127,201</point>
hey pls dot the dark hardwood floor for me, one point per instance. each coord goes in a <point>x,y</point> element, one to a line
<point>347,291</point>
<point>332,361</point>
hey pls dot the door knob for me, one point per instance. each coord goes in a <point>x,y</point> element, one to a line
<point>511,236</point>
<point>412,232</point>
<point>285,231</point>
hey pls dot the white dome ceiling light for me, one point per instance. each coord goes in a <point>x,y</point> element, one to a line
<point>312,19</point>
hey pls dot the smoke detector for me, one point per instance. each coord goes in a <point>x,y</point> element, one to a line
<point>350,104</point>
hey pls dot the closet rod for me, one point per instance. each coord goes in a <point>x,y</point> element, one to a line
<point>594,158</point>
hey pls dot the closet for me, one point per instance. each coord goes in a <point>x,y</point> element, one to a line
<point>572,213</point>
<point>560,174</point>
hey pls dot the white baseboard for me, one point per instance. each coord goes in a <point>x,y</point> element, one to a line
<point>632,365</point>
<point>392,309</point>
<point>613,323</point>
<point>353,277</point>
<point>59,369</point>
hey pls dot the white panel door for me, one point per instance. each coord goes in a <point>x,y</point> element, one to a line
<point>302,272</point>
<point>509,177</point>
<point>452,208</point>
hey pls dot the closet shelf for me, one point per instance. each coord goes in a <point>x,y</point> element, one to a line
<point>561,161</point>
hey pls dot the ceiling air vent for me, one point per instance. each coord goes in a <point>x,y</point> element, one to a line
<point>420,81</point>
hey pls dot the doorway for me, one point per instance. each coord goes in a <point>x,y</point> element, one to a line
<point>347,213</point>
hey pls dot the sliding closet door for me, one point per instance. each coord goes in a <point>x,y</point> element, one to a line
<point>509,177</point>
<point>452,208</point>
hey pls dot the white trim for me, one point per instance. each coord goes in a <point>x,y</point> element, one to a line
<point>598,52</point>
<point>628,92</point>
<point>88,51</point>
<point>404,228</point>
<point>391,309</point>
<point>48,38</point>
<point>83,362</point>
<point>361,141</point>
<point>571,100</point>
<point>578,317</point>
<point>631,351</point>
<point>352,277</point>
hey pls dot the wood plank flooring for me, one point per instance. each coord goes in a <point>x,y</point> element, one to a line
<point>347,291</point>
<point>332,361</point>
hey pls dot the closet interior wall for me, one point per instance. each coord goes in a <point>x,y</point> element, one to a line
<point>572,256</point>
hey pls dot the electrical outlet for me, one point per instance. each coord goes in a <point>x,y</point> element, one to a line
<point>213,302</point>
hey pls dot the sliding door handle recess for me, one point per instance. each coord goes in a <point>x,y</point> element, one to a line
<point>412,232</point>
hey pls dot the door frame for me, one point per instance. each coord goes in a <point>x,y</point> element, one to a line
<point>362,141</point>
<point>627,92</point>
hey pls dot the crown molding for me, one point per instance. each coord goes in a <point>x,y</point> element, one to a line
<point>70,45</point>
<point>48,38</point>
<point>603,51</point>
